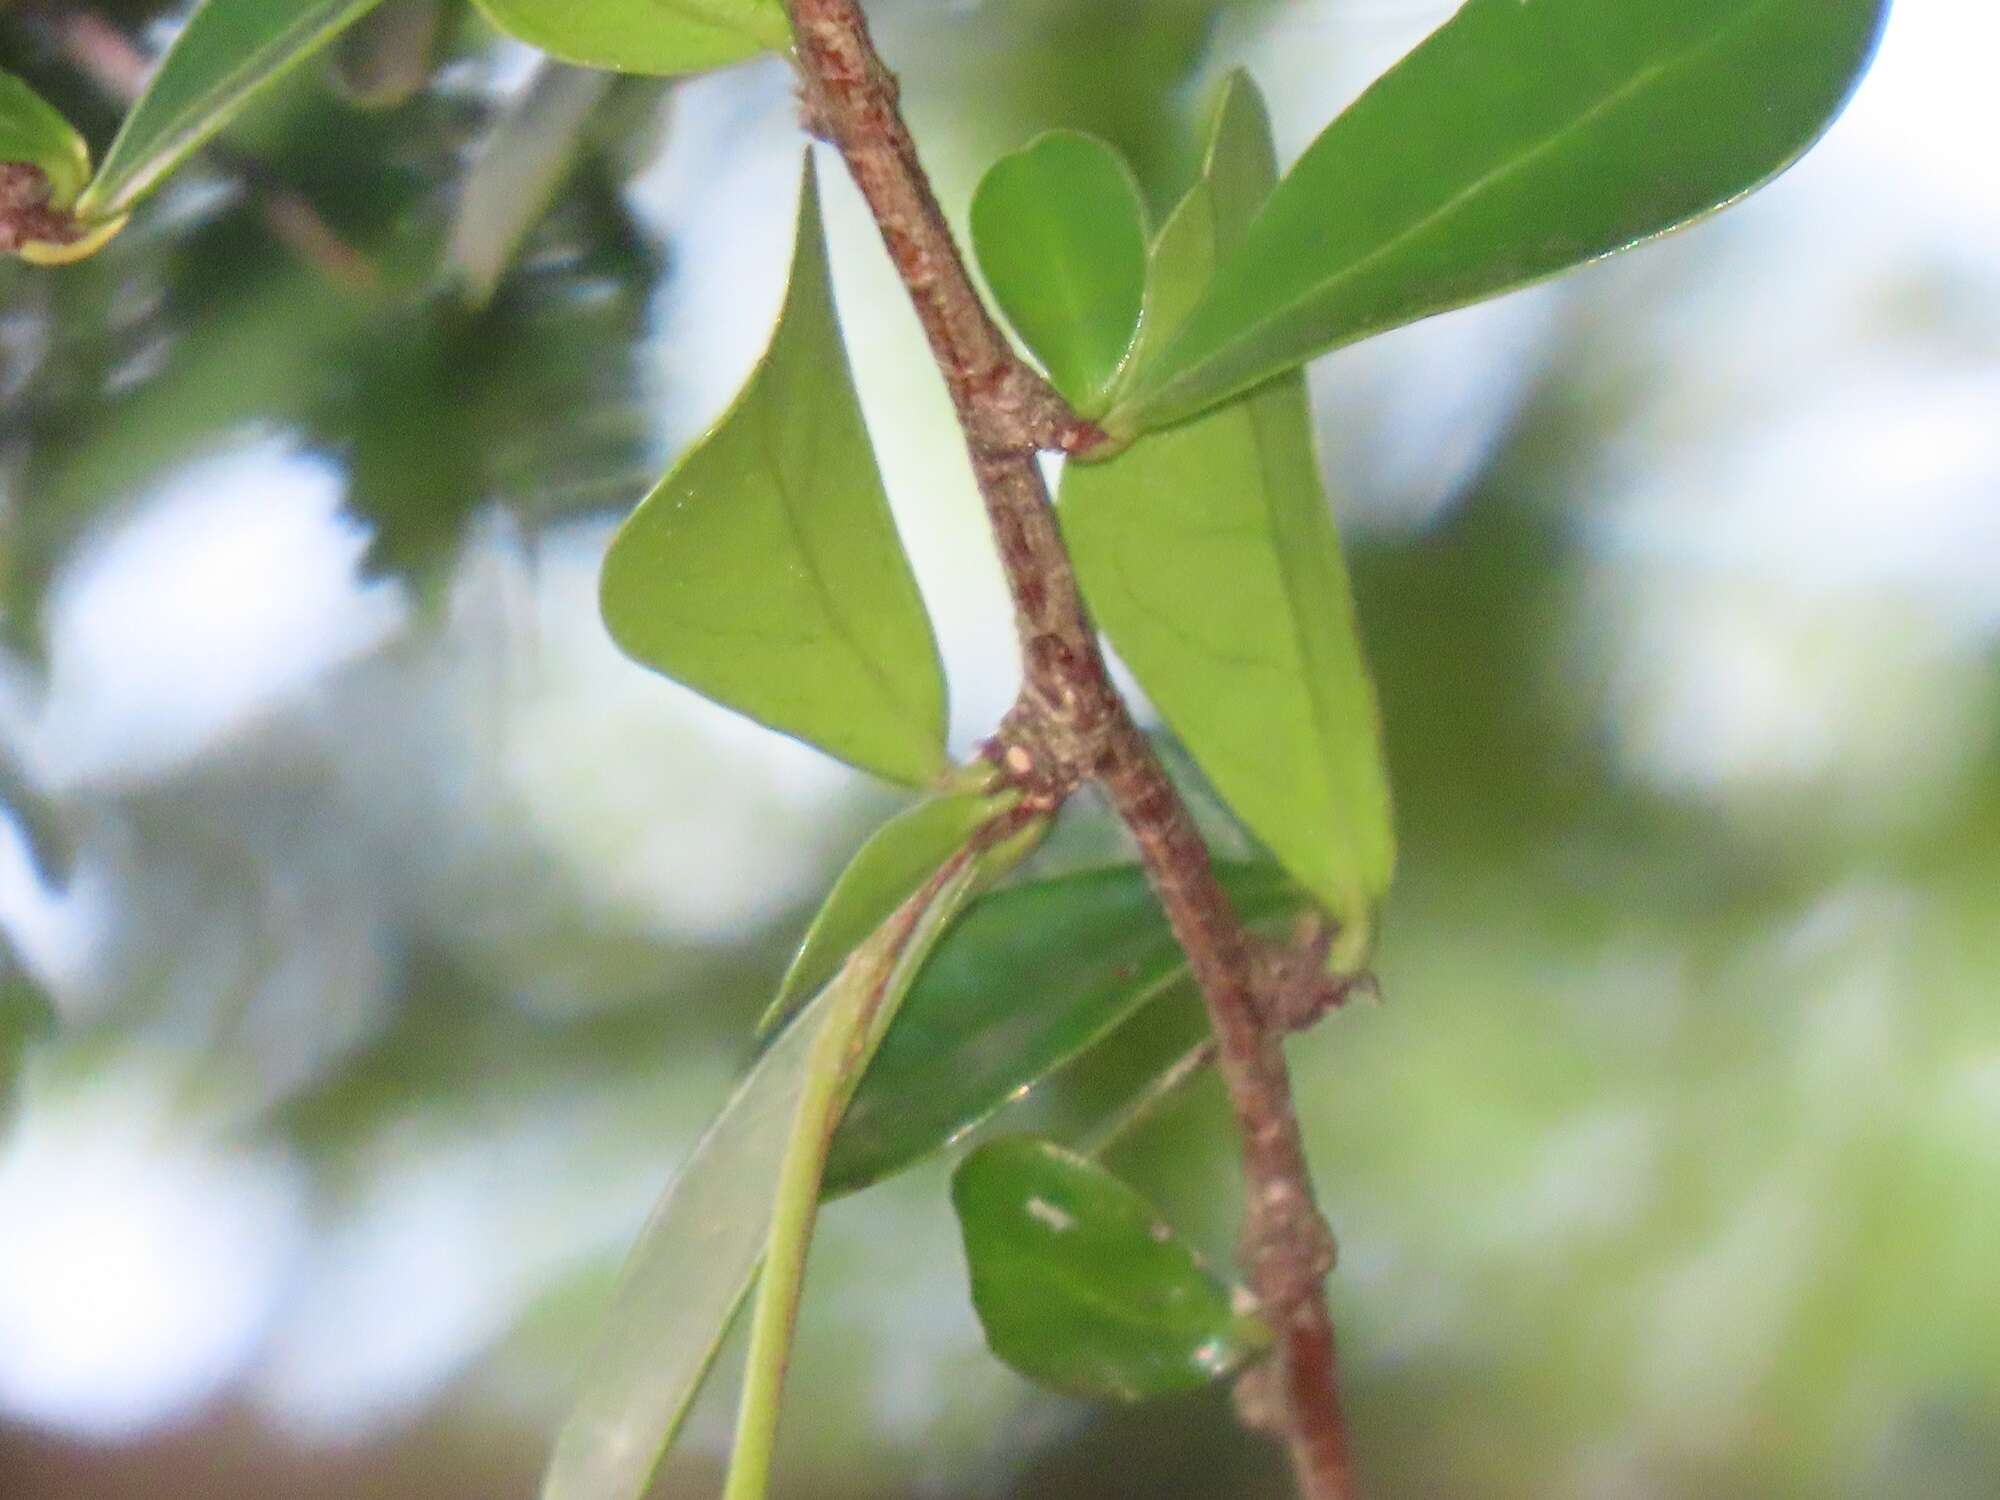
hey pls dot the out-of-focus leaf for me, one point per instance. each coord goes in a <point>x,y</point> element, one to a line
<point>1082,1287</point>
<point>762,1158</point>
<point>1026,980</point>
<point>25,1014</point>
<point>1061,236</point>
<point>432,414</point>
<point>1518,141</point>
<point>32,131</point>
<point>765,571</point>
<point>227,52</point>
<point>1209,555</point>
<point>898,858</point>
<point>519,168</point>
<point>683,1282</point>
<point>664,37</point>
<point>386,57</point>
<point>41,821</point>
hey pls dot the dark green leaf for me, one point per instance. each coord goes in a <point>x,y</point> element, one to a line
<point>1080,1285</point>
<point>1519,140</point>
<point>226,53</point>
<point>900,856</point>
<point>32,131</point>
<point>663,37</point>
<point>1209,555</point>
<point>1026,980</point>
<point>1061,236</point>
<point>765,571</point>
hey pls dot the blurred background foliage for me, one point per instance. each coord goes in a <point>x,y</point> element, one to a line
<point>377,938</point>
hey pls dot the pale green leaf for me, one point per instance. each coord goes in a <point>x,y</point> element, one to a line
<point>765,571</point>
<point>898,858</point>
<point>519,169</point>
<point>755,1172</point>
<point>1522,138</point>
<point>662,37</point>
<point>1060,232</point>
<point>1208,554</point>
<point>228,51</point>
<point>864,1000</point>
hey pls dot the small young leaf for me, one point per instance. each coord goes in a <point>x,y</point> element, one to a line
<point>898,858</point>
<point>1027,979</point>
<point>1208,554</point>
<point>696,1258</point>
<point>1519,140</point>
<point>662,37</point>
<point>765,572</point>
<point>227,52</point>
<point>32,132</point>
<point>1060,232</point>
<point>1081,1287</point>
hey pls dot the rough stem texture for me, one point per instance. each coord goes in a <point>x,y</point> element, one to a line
<point>1071,726</point>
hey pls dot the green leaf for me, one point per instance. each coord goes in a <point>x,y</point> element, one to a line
<point>32,131</point>
<point>1027,979</point>
<point>1060,232</point>
<point>515,177</point>
<point>1080,1285</point>
<point>683,1281</point>
<point>228,51</point>
<point>663,37</point>
<point>25,1016</point>
<point>1519,140</point>
<point>765,572</point>
<point>754,1174</point>
<point>864,999</point>
<point>1209,556</point>
<point>898,858</point>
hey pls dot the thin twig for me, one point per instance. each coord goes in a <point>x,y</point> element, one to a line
<point>1071,725</point>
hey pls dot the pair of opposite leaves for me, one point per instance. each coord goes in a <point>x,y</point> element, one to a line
<point>1513,143</point>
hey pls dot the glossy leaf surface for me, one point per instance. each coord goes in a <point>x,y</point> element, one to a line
<point>1060,232</point>
<point>765,571</point>
<point>696,1258</point>
<point>662,37</point>
<point>898,858</point>
<point>1519,140</point>
<point>34,132</point>
<point>1079,1284</point>
<point>1026,980</point>
<point>1208,554</point>
<point>225,54</point>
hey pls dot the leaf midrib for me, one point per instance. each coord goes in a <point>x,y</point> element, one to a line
<point>1604,107</point>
